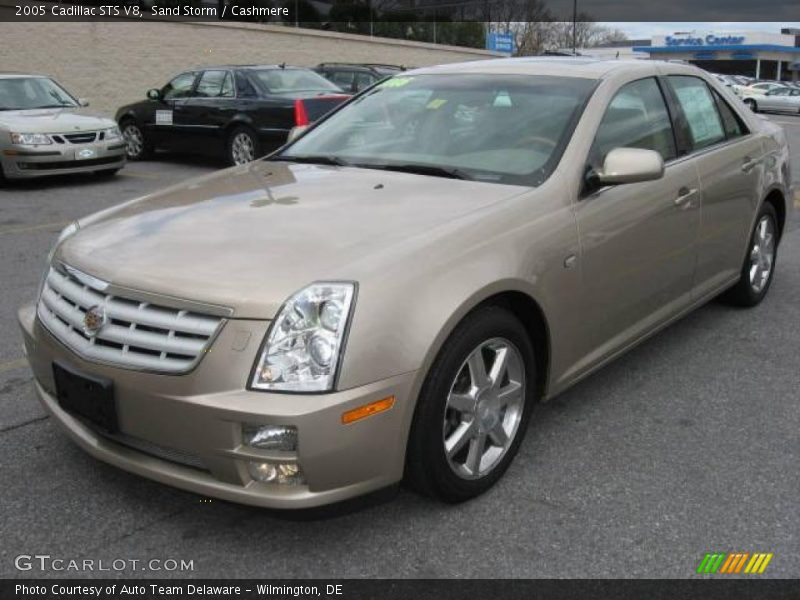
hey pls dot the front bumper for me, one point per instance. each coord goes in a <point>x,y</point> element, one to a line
<point>59,159</point>
<point>168,422</point>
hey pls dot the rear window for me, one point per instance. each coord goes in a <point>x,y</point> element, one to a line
<point>282,81</point>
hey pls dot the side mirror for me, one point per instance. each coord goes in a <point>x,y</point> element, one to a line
<point>630,165</point>
<point>154,94</point>
<point>296,132</point>
<point>83,102</point>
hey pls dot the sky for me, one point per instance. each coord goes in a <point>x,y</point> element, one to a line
<point>647,30</point>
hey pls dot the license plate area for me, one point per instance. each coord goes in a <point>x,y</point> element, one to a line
<point>86,396</point>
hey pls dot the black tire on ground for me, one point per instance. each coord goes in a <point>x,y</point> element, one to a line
<point>427,469</point>
<point>751,104</point>
<point>241,140</point>
<point>744,293</point>
<point>137,147</point>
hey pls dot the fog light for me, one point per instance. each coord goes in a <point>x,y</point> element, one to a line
<point>270,437</point>
<point>269,472</point>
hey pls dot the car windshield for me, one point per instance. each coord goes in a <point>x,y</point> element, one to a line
<point>282,81</point>
<point>22,93</point>
<point>496,128</point>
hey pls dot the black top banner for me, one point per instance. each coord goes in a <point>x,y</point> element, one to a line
<point>326,12</point>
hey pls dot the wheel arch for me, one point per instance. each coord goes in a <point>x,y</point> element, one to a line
<point>777,199</point>
<point>521,302</point>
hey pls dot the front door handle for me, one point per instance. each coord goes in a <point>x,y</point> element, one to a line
<point>749,164</point>
<point>685,195</point>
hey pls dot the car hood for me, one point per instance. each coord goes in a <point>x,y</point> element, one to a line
<point>248,237</point>
<point>53,120</point>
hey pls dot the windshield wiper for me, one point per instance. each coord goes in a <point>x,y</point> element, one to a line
<point>432,170</point>
<point>314,160</point>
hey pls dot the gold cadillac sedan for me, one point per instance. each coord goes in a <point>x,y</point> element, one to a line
<point>387,297</point>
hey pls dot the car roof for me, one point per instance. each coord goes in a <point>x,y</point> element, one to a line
<point>212,67</point>
<point>16,75</point>
<point>590,68</point>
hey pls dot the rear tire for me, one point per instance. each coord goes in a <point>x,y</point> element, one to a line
<point>472,412</point>
<point>137,147</point>
<point>242,146</point>
<point>758,269</point>
<point>751,104</point>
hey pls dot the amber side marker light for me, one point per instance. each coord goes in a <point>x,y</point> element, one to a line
<point>373,408</point>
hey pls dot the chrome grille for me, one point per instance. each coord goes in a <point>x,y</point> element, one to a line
<point>138,335</point>
<point>80,138</point>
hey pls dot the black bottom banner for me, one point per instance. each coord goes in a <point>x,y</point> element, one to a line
<point>407,589</point>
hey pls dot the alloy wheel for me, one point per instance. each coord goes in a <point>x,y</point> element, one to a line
<point>242,148</point>
<point>134,140</point>
<point>762,253</point>
<point>484,408</point>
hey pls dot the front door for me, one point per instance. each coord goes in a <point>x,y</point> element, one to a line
<point>638,240</point>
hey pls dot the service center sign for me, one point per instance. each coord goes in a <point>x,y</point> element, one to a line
<point>709,40</point>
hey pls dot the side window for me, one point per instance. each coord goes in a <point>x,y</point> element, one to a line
<point>244,89</point>
<point>211,84</point>
<point>697,103</point>
<point>344,79</point>
<point>227,86</point>
<point>363,80</point>
<point>180,87</point>
<point>637,117</point>
<point>733,125</point>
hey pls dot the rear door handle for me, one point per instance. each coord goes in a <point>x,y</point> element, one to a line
<point>685,195</point>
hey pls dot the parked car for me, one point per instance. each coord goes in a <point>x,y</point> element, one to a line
<point>240,112</point>
<point>44,130</point>
<point>389,295</point>
<point>758,89</point>
<point>352,77</point>
<point>782,99</point>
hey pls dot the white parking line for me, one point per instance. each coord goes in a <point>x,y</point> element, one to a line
<point>25,229</point>
<point>13,364</point>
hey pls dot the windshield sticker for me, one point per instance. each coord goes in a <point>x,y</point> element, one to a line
<point>163,117</point>
<point>436,103</point>
<point>396,82</point>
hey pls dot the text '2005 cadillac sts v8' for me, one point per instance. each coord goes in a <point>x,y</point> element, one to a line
<point>388,296</point>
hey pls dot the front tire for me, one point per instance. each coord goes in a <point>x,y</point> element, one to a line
<point>473,409</point>
<point>242,146</point>
<point>137,147</point>
<point>759,263</point>
<point>751,104</point>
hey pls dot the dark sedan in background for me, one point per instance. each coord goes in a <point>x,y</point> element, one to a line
<point>241,112</point>
<point>353,77</point>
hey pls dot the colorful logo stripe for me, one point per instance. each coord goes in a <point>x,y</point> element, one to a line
<point>734,562</point>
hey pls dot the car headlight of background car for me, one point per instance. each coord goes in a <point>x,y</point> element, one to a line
<point>305,341</point>
<point>30,139</point>
<point>113,134</point>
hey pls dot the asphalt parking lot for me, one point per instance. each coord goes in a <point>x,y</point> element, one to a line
<point>688,444</point>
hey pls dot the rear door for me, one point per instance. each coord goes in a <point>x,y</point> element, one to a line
<point>212,106</point>
<point>729,160</point>
<point>638,240</point>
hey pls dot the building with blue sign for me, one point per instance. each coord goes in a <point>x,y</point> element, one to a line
<point>756,54</point>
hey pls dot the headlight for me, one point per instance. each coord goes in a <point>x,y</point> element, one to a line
<point>68,231</point>
<point>30,139</point>
<point>113,134</point>
<point>304,343</point>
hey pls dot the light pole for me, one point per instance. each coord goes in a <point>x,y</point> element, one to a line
<point>574,26</point>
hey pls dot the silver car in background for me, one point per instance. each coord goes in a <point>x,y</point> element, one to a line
<point>782,99</point>
<point>44,130</point>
